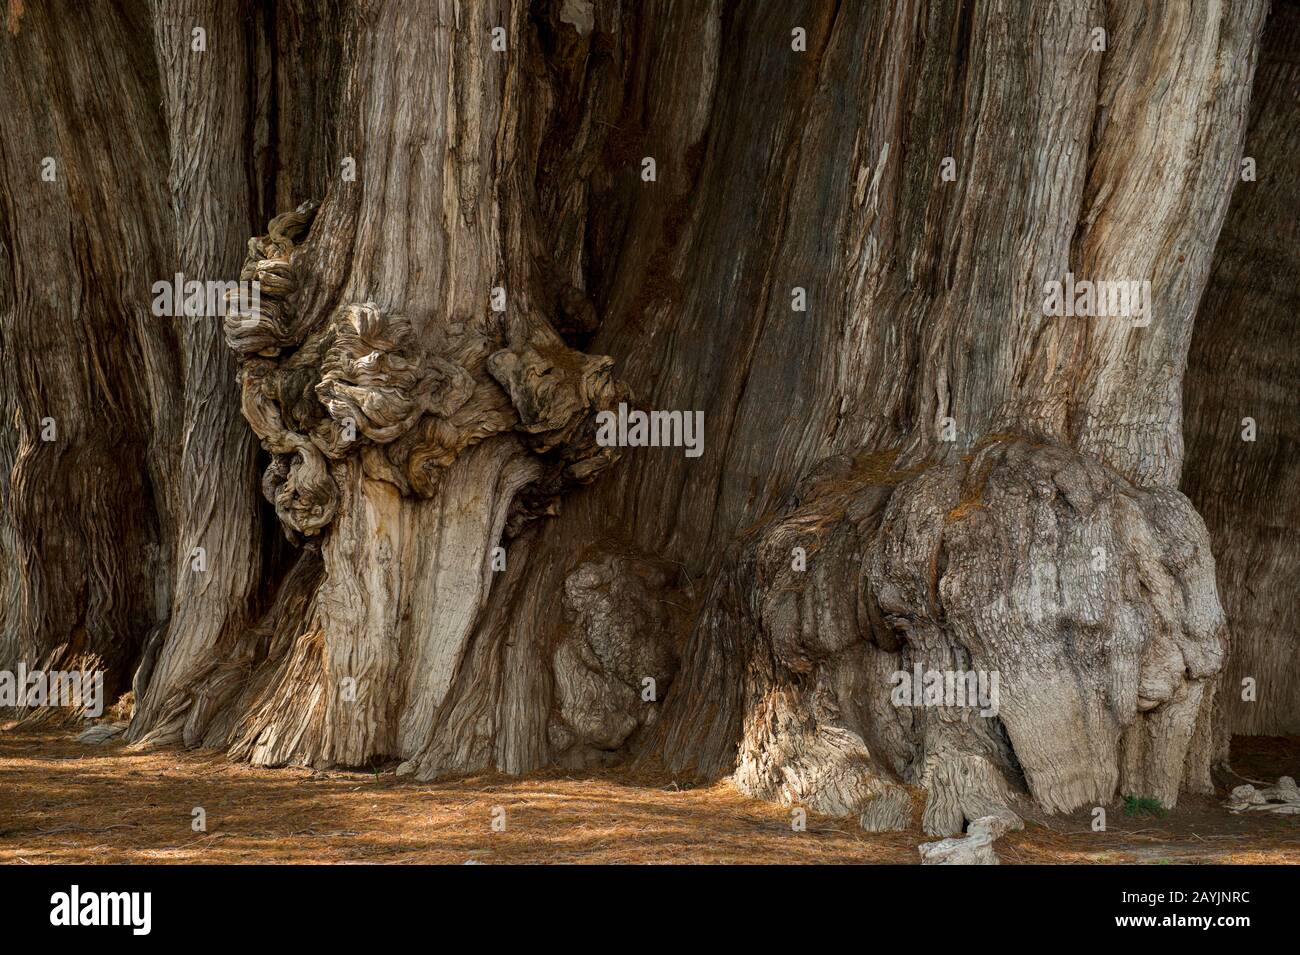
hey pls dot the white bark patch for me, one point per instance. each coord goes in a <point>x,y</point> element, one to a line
<point>1284,798</point>
<point>974,848</point>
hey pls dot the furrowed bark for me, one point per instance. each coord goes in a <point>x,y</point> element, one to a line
<point>417,550</point>
<point>1243,364</point>
<point>216,561</point>
<point>88,389</point>
<point>1105,388</point>
<point>433,426</point>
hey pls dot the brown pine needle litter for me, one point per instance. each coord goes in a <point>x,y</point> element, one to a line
<point>61,801</point>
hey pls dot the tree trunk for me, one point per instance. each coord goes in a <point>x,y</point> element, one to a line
<point>830,229</point>
<point>91,441</point>
<point>1243,365</point>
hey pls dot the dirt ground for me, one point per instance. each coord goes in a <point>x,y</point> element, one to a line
<point>61,801</point>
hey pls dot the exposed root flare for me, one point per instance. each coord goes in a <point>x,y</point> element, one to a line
<point>1092,600</point>
<point>1057,627</point>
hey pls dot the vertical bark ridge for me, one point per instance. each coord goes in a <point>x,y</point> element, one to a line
<point>209,110</point>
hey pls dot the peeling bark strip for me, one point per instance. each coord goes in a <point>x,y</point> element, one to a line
<point>498,246</point>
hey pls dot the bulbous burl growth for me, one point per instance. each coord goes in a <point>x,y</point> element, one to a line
<point>361,384</point>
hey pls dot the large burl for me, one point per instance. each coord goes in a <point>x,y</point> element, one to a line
<point>361,383</point>
<point>1092,599</point>
<point>618,657</point>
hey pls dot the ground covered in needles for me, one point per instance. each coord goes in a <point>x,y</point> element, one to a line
<point>66,802</point>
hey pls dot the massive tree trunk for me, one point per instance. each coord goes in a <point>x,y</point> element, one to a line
<point>829,228</point>
<point>1243,463</point>
<point>90,441</point>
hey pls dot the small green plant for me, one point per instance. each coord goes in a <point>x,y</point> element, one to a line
<point>1143,806</point>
